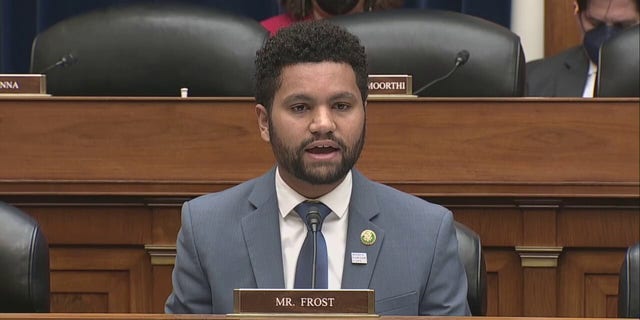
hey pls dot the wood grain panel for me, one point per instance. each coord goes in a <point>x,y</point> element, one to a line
<point>449,146</point>
<point>90,291</point>
<point>540,227</point>
<point>601,296</point>
<point>540,290</point>
<point>161,287</point>
<point>124,274</point>
<point>97,223</point>
<point>492,294</point>
<point>134,140</point>
<point>166,223</point>
<point>476,142</point>
<point>504,283</point>
<point>619,227</point>
<point>561,29</point>
<point>496,225</point>
<point>81,303</point>
<point>586,278</point>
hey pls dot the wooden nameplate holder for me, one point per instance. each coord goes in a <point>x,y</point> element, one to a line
<point>391,86</point>
<point>23,85</point>
<point>303,303</point>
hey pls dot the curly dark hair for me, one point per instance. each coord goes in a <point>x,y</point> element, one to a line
<point>312,41</point>
<point>296,10</point>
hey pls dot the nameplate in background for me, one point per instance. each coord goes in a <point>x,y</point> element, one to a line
<point>393,85</point>
<point>303,301</point>
<point>32,84</point>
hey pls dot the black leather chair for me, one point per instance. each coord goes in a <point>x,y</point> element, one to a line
<point>24,263</point>
<point>150,49</point>
<point>424,44</point>
<point>470,252</point>
<point>619,67</point>
<point>629,286</point>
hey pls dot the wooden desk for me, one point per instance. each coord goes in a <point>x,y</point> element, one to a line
<point>551,185</point>
<point>465,147</point>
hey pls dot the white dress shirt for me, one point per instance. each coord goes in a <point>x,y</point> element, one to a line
<point>590,85</point>
<point>293,230</point>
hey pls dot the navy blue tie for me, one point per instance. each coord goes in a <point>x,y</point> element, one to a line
<point>304,267</point>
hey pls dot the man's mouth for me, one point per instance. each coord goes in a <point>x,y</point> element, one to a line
<point>322,149</point>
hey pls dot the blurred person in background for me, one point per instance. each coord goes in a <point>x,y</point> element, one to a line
<point>572,73</point>
<point>304,10</point>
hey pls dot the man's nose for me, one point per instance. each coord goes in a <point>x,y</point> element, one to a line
<point>323,121</point>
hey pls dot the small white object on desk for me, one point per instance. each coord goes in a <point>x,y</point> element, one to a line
<point>184,92</point>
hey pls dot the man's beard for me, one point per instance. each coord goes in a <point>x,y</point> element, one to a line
<point>291,159</point>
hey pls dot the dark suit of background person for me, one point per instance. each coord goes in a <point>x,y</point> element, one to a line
<point>566,74</point>
<point>232,239</point>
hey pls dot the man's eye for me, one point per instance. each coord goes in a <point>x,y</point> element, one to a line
<point>299,108</point>
<point>342,106</point>
<point>595,23</point>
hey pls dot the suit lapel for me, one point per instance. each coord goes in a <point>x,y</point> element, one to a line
<point>362,209</point>
<point>261,231</point>
<point>573,79</point>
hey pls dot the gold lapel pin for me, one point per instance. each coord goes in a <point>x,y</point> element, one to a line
<point>368,237</point>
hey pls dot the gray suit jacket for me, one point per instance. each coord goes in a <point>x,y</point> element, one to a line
<point>562,75</point>
<point>231,239</point>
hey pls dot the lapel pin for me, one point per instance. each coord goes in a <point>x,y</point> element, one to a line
<point>358,257</point>
<point>368,237</point>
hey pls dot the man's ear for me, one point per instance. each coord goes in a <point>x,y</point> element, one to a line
<point>576,8</point>
<point>263,122</point>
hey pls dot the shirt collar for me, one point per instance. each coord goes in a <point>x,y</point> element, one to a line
<point>337,199</point>
<point>592,68</point>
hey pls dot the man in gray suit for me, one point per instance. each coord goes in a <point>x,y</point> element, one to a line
<point>311,95</point>
<point>572,73</point>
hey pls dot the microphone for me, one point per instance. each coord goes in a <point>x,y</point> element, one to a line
<point>313,220</point>
<point>461,58</point>
<point>66,60</point>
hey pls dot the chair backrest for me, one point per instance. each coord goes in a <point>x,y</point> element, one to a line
<point>151,49</point>
<point>470,252</point>
<point>619,66</point>
<point>629,286</point>
<point>424,44</point>
<point>24,263</point>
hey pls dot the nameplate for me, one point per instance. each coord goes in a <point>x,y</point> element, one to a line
<point>303,301</point>
<point>23,84</point>
<point>390,85</point>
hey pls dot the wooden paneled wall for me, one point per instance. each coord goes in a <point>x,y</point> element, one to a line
<point>551,185</point>
<point>561,28</point>
<point>109,256</point>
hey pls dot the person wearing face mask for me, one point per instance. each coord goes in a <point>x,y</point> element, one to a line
<point>303,10</point>
<point>572,73</point>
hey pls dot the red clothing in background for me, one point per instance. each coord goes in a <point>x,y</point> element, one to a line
<point>275,23</point>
